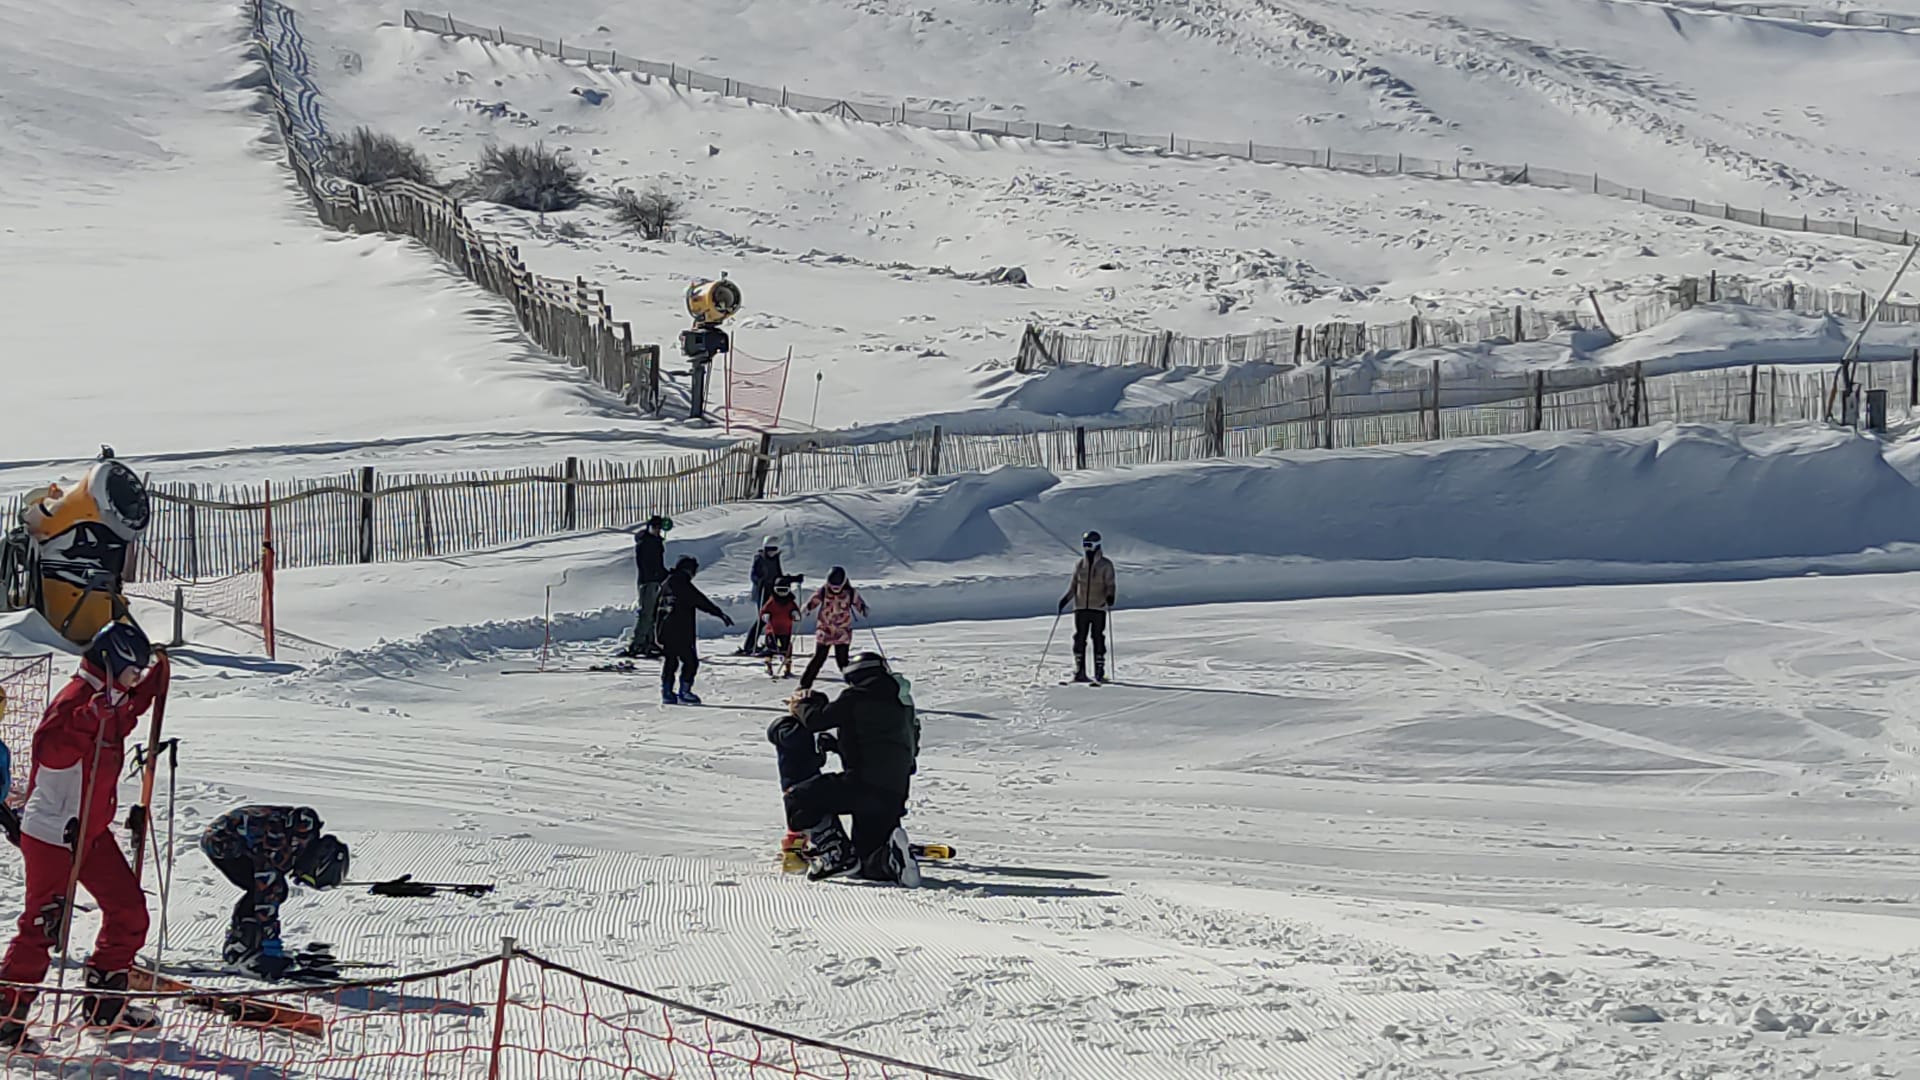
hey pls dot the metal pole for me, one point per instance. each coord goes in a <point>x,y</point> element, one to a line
<point>1049,647</point>
<point>500,1009</point>
<point>814,421</point>
<point>1851,357</point>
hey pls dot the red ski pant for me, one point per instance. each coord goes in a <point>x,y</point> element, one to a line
<point>105,875</point>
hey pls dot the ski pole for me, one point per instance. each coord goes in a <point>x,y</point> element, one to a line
<point>166,868</point>
<point>1113,656</point>
<point>1049,648</point>
<point>137,825</point>
<point>877,647</point>
<point>85,823</point>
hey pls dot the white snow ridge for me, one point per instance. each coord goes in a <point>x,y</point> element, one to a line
<point>1581,742</point>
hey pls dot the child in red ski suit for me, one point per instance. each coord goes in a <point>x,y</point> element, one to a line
<point>80,746</point>
<point>778,615</point>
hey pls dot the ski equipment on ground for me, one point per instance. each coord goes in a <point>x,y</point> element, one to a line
<point>404,885</point>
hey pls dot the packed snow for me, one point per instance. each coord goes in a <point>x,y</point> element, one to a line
<point>1554,755</point>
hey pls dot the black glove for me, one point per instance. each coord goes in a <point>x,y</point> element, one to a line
<point>726,619</point>
<point>827,743</point>
<point>136,820</point>
<point>72,833</point>
<point>1065,600</point>
<point>10,823</point>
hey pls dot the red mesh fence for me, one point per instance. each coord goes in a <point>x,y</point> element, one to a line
<point>243,600</point>
<point>756,390</point>
<point>514,1017</point>
<point>25,683</point>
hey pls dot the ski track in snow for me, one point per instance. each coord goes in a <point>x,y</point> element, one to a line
<point>1386,837</point>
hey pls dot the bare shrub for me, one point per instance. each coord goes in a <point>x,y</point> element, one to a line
<point>527,178</point>
<point>650,213</point>
<point>368,157</point>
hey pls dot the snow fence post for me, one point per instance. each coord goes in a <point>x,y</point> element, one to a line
<point>1753,393</point>
<point>507,949</point>
<point>933,453</point>
<point>761,463</point>
<point>569,493</point>
<point>1080,447</point>
<point>366,513</point>
<point>179,618</point>
<point>1434,379</point>
<point>1539,399</point>
<point>1913,380</point>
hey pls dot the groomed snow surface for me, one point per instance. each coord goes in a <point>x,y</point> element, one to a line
<point>1304,835</point>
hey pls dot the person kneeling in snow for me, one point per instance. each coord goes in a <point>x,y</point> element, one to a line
<point>66,828</point>
<point>878,740</point>
<point>260,849</point>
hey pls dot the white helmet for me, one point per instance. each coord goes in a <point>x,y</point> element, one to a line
<point>770,544</point>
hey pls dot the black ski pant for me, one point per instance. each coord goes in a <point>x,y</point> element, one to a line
<point>1089,622</point>
<point>256,915</point>
<point>678,655</point>
<point>760,593</point>
<point>840,656</point>
<point>812,796</point>
<point>643,620</point>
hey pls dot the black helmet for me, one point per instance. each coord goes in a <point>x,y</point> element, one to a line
<point>324,864</point>
<point>837,576</point>
<point>687,564</point>
<point>1090,540</point>
<point>118,647</point>
<point>661,523</point>
<point>782,587</point>
<point>866,662</point>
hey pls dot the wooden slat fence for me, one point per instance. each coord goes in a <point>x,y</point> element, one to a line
<point>568,318</point>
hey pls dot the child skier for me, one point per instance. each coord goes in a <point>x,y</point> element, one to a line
<point>259,848</point>
<point>837,604</point>
<point>66,830</point>
<point>778,615</point>
<point>680,600</point>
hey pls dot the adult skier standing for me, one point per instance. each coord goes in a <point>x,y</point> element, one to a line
<point>836,604</point>
<point>872,726</point>
<point>1091,594</point>
<point>66,831</point>
<point>261,849</point>
<point>650,559</point>
<point>680,600</point>
<point>766,571</point>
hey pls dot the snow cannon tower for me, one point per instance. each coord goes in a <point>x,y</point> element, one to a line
<point>67,557</point>
<point>710,303</point>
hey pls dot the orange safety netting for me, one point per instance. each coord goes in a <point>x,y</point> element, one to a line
<point>756,390</point>
<point>243,600</point>
<point>512,1017</point>
<point>25,683</point>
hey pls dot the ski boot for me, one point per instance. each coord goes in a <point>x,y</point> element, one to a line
<point>1080,667</point>
<point>667,696</point>
<point>829,852</point>
<point>793,852</point>
<point>687,696</point>
<point>893,862</point>
<point>112,1011</point>
<point>13,1026</point>
<point>1099,669</point>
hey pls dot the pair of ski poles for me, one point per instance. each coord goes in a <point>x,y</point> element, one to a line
<point>1113,661</point>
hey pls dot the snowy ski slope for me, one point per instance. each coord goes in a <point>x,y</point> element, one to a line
<point>1432,831</point>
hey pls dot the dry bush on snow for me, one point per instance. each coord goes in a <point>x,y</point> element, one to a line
<point>649,213</point>
<point>368,157</point>
<point>527,178</point>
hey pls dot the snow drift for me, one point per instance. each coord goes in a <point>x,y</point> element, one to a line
<point>1656,504</point>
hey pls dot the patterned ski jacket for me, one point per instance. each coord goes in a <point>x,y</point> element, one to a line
<point>1092,585</point>
<point>836,609</point>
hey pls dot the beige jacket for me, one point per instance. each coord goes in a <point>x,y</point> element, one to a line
<point>1092,588</point>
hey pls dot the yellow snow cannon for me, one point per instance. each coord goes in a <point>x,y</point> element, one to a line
<point>713,302</point>
<point>76,544</point>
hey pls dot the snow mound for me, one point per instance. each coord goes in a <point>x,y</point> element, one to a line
<point>1657,504</point>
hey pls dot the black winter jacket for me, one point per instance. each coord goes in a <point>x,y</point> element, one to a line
<point>650,557</point>
<point>680,598</point>
<point>766,571</point>
<point>879,735</point>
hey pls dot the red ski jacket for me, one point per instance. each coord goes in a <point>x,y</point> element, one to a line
<point>84,712</point>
